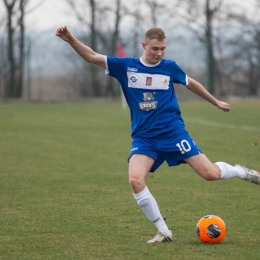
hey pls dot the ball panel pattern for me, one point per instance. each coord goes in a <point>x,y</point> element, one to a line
<point>211,229</point>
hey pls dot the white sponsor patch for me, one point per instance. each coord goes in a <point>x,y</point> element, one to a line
<point>148,81</point>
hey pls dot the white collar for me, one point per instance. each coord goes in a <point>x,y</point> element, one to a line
<point>149,65</point>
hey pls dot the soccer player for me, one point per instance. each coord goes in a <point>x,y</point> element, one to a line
<point>158,130</point>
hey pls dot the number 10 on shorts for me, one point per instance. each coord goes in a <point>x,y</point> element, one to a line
<point>184,146</point>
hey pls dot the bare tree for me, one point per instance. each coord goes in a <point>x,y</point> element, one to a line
<point>2,57</point>
<point>137,21</point>
<point>201,19</point>
<point>113,41</point>
<point>91,85</point>
<point>3,71</point>
<point>245,68</point>
<point>22,5</point>
<point>102,20</point>
<point>156,9</point>
<point>252,30</point>
<point>9,89</point>
<point>93,39</point>
<point>16,11</point>
<point>146,14</point>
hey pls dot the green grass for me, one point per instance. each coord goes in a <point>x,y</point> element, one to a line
<point>64,191</point>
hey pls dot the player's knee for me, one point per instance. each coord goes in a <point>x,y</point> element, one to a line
<point>210,175</point>
<point>209,172</point>
<point>135,181</point>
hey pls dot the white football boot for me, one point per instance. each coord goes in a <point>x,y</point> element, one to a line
<point>251,175</point>
<point>161,236</point>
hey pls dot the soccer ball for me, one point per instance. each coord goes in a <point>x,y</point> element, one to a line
<point>211,229</point>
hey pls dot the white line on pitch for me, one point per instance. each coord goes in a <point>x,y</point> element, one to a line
<point>228,126</point>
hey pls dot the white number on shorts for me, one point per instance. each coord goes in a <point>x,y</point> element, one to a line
<point>184,146</point>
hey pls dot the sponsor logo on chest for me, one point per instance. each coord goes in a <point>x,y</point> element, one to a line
<point>132,69</point>
<point>148,81</point>
<point>148,103</point>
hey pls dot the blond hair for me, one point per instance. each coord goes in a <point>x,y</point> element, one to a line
<point>155,33</point>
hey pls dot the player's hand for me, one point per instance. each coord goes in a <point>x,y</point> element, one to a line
<point>64,33</point>
<point>224,106</point>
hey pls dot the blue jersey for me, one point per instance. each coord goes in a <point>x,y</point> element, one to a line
<point>150,95</point>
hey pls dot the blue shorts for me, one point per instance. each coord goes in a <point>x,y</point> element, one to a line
<point>173,150</point>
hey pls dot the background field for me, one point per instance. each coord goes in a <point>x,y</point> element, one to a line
<point>64,190</point>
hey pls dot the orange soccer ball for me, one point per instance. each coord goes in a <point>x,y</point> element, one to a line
<point>211,229</point>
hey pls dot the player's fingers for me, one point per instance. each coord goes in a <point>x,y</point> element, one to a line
<point>58,30</point>
<point>61,30</point>
<point>226,107</point>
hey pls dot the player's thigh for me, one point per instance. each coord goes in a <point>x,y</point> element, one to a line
<point>204,167</point>
<point>140,165</point>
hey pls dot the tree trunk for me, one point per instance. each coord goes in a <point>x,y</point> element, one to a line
<point>210,54</point>
<point>93,69</point>
<point>19,89</point>
<point>111,88</point>
<point>11,78</point>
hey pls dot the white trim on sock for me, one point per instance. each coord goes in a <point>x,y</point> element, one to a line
<point>228,171</point>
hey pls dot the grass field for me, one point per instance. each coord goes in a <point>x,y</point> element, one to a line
<point>64,191</point>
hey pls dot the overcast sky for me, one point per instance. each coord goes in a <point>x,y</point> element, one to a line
<point>53,13</point>
<point>50,14</point>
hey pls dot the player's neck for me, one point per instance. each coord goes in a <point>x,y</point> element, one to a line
<point>145,62</point>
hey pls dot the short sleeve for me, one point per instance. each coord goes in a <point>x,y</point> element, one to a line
<point>179,75</point>
<point>115,66</point>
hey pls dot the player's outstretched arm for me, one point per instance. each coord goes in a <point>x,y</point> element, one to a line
<point>198,89</point>
<point>84,51</point>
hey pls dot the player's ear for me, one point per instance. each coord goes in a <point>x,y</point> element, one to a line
<point>144,45</point>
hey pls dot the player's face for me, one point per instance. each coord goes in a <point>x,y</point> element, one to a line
<point>154,50</point>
